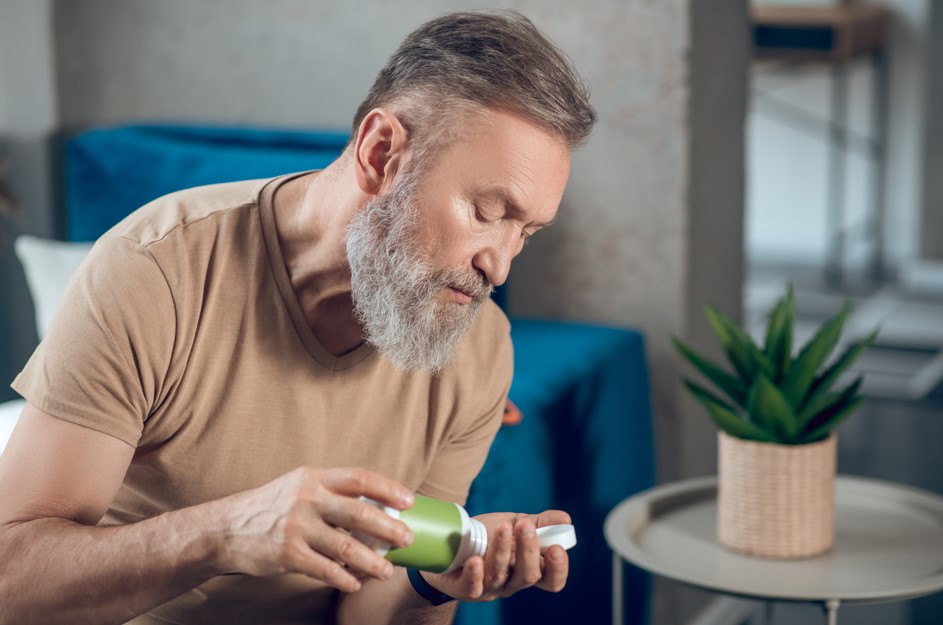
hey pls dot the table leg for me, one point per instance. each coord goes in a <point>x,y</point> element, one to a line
<point>617,613</point>
<point>831,611</point>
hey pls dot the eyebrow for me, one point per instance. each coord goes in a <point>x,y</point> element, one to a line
<point>503,196</point>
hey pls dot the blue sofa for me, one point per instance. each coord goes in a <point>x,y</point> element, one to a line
<point>585,441</point>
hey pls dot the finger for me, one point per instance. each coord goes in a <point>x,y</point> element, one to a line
<point>349,552</point>
<point>355,482</point>
<point>472,579</point>
<point>308,562</point>
<point>498,559</point>
<point>553,517</point>
<point>527,557</point>
<point>556,569</point>
<point>359,516</point>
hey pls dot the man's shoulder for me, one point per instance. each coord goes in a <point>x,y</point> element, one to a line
<point>158,218</point>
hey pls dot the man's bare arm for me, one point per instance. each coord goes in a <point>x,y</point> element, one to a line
<point>56,566</point>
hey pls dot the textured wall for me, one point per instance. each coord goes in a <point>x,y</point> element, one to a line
<point>288,62</point>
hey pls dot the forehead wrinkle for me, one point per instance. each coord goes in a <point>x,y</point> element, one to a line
<point>520,181</point>
<point>524,164</point>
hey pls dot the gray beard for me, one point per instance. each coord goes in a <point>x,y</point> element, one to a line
<point>396,293</point>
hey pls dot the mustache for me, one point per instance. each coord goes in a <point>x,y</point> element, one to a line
<point>471,283</point>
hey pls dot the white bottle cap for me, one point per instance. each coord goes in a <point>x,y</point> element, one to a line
<point>563,535</point>
<point>474,540</point>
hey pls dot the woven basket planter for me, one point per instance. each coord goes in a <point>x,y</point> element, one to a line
<point>776,501</point>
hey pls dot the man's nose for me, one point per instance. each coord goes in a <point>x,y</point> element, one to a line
<point>494,259</point>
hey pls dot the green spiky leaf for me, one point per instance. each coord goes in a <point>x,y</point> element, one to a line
<point>735,352</point>
<point>760,362</point>
<point>824,382</point>
<point>769,409</point>
<point>832,403</point>
<point>774,397</point>
<point>725,417</point>
<point>831,420</point>
<point>742,352</point>
<point>803,369</point>
<point>777,346</point>
<point>731,386</point>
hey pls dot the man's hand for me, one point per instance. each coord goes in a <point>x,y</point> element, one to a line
<point>513,560</point>
<point>301,523</point>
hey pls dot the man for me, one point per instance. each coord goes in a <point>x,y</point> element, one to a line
<point>227,353</point>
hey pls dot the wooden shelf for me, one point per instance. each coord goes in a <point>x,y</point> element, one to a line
<point>829,33</point>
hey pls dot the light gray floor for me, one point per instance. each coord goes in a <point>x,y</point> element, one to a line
<point>898,433</point>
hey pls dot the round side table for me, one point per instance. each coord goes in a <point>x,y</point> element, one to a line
<point>888,546</point>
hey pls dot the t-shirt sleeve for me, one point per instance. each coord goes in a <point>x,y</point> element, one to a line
<point>462,456</point>
<point>103,363</point>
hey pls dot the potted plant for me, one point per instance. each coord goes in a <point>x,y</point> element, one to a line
<point>777,413</point>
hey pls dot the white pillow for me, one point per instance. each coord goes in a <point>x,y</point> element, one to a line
<point>9,414</point>
<point>48,265</point>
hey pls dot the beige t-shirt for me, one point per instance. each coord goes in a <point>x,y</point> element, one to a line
<point>181,336</point>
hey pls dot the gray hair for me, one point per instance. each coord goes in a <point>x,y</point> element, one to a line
<point>465,61</point>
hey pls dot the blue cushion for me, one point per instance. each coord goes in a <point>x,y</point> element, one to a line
<point>110,172</point>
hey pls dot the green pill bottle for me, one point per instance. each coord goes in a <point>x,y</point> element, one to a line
<point>444,536</point>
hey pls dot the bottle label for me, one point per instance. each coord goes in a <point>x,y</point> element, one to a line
<point>437,535</point>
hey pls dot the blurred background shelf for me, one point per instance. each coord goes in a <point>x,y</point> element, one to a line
<point>787,37</point>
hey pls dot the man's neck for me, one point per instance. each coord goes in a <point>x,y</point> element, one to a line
<point>311,218</point>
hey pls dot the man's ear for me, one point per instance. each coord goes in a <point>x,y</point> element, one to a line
<point>378,153</point>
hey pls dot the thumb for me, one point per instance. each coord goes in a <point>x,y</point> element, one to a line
<point>553,517</point>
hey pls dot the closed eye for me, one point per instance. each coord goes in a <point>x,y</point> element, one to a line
<point>484,215</point>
